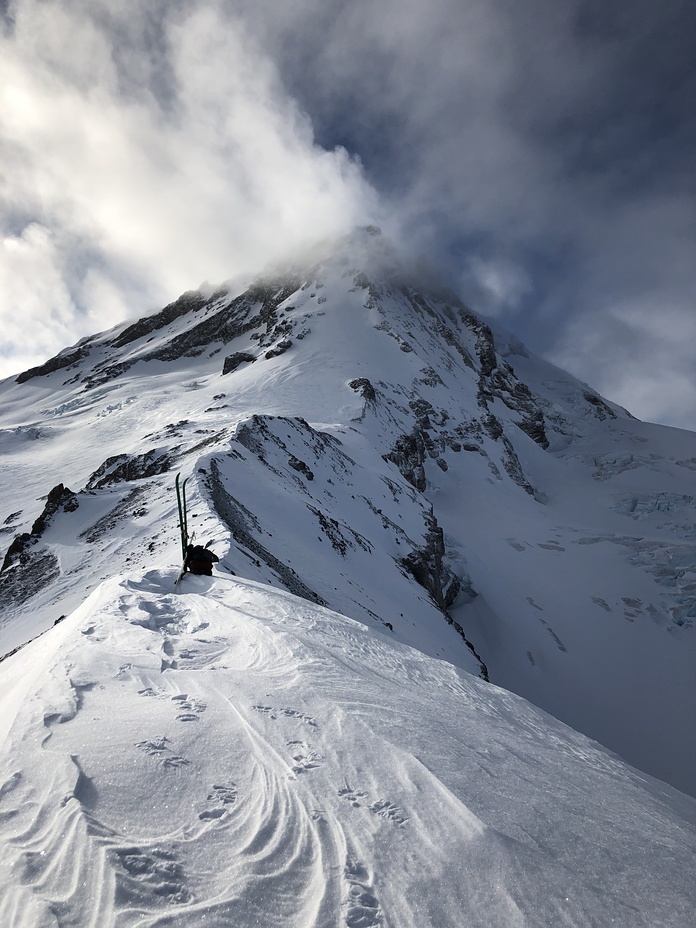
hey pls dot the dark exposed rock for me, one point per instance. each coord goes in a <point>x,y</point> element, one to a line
<point>17,547</point>
<point>409,454</point>
<point>417,300</point>
<point>27,568</point>
<point>462,634</point>
<point>365,388</point>
<point>503,384</point>
<point>301,467</point>
<point>232,361</point>
<point>188,302</point>
<point>512,465</point>
<point>361,282</point>
<point>511,462</point>
<point>54,364</point>
<point>427,567</point>
<point>60,498</point>
<point>340,535</point>
<point>279,349</point>
<point>431,378</point>
<point>254,309</point>
<point>599,407</point>
<point>127,467</point>
<point>36,569</point>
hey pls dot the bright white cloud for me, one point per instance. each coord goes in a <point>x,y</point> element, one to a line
<point>141,196</point>
<point>37,308</point>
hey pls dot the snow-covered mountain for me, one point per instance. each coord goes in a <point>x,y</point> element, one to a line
<point>357,439</point>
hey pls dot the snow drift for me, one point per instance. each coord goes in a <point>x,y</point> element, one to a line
<point>231,754</point>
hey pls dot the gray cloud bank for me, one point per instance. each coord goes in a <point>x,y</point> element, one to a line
<point>540,153</point>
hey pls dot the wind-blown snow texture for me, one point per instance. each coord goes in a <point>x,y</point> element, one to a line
<point>355,438</point>
<point>232,755</point>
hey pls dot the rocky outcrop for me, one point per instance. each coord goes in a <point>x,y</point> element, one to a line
<point>63,360</point>
<point>427,566</point>
<point>255,310</point>
<point>409,454</point>
<point>120,468</point>
<point>278,349</point>
<point>59,499</point>
<point>232,361</point>
<point>191,301</point>
<point>27,567</point>
<point>600,409</point>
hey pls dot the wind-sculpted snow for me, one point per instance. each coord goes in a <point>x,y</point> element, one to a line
<point>226,754</point>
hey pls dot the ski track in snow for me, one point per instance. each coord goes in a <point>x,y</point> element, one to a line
<point>272,763</point>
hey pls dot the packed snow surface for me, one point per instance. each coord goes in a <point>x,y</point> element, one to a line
<point>223,753</point>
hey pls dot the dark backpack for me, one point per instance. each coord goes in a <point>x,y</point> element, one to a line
<point>200,560</point>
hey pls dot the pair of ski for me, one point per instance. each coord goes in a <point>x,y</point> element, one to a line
<point>183,523</point>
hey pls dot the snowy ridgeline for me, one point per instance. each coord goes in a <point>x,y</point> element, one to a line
<point>230,754</point>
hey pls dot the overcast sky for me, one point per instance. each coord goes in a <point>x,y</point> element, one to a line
<point>542,154</point>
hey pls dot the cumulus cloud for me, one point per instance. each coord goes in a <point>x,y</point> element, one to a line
<point>127,181</point>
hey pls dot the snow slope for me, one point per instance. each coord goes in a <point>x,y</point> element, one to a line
<point>358,437</point>
<point>230,754</point>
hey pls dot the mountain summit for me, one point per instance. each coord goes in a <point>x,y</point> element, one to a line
<point>408,509</point>
<point>360,438</point>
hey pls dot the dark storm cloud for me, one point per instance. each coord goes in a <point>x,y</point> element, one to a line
<point>543,153</point>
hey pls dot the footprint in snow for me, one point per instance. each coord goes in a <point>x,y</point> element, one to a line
<point>352,796</point>
<point>194,707</point>
<point>174,761</point>
<point>155,872</point>
<point>304,757</point>
<point>362,907</point>
<point>386,809</point>
<point>273,713</point>
<point>223,797</point>
<point>158,748</point>
<point>151,691</point>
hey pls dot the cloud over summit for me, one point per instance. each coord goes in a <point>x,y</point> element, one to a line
<point>540,154</point>
<point>128,181</point>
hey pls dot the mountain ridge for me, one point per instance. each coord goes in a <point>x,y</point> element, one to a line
<point>371,446</point>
